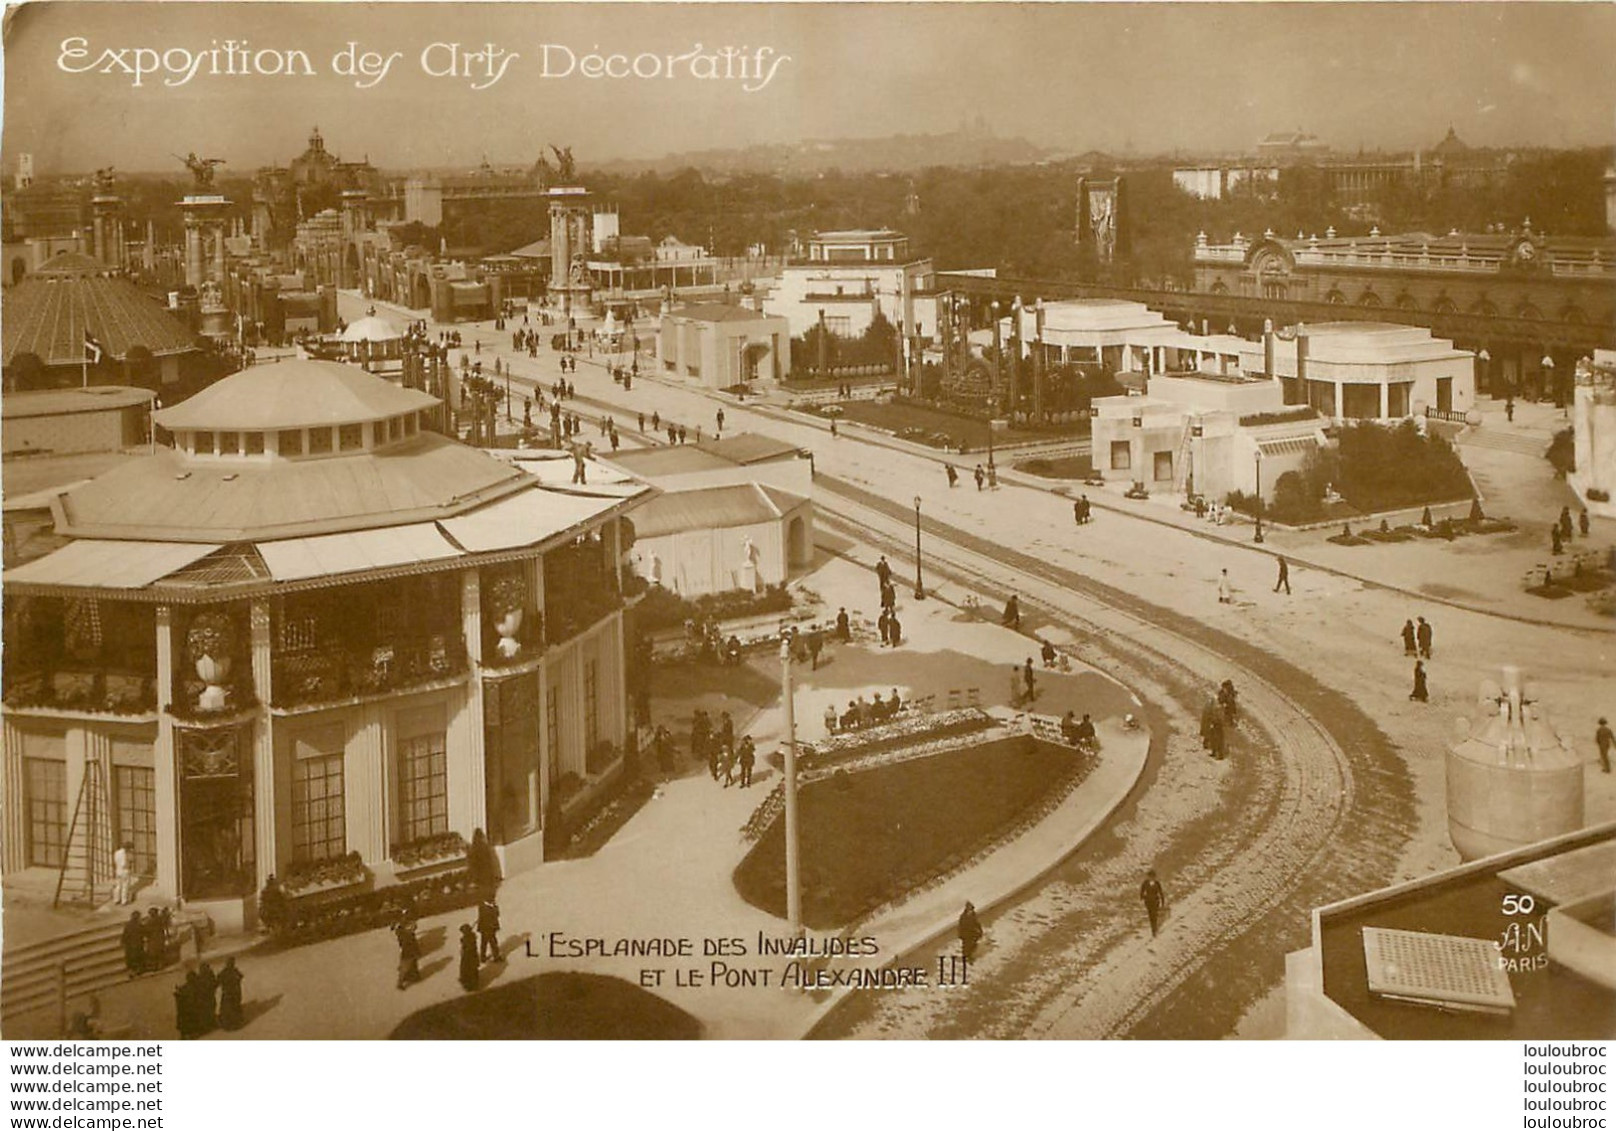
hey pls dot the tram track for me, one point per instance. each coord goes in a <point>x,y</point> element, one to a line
<point>1319,835</point>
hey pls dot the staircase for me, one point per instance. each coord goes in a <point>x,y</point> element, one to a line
<point>82,962</point>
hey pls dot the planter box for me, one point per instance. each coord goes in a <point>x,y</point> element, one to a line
<point>432,866</point>
<point>321,892</point>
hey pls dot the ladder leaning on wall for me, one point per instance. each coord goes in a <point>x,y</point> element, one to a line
<point>87,855</point>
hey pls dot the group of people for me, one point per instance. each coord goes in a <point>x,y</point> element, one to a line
<point>479,944</point>
<point>206,1001</point>
<point>146,941</point>
<point>890,628</point>
<point>862,713</point>
<point>1082,511</point>
<point>1417,643</point>
<point>988,475</point>
<point>1218,717</point>
<point>1079,732</point>
<point>709,643</point>
<point>1560,532</point>
<point>726,757</point>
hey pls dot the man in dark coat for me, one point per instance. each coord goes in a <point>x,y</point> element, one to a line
<point>1604,740</point>
<point>883,571</point>
<point>1012,612</point>
<point>207,998</point>
<point>970,931</point>
<point>133,938</point>
<point>894,630</point>
<point>1422,634</point>
<point>1420,694</point>
<point>1155,900</point>
<point>488,930</point>
<point>230,979</point>
<point>1284,576</point>
<point>409,954</point>
<point>185,1007</point>
<point>884,624</point>
<point>469,966</point>
<point>482,863</point>
<point>156,940</point>
<point>748,759</point>
<point>816,643</point>
<point>1410,639</point>
<point>1027,678</point>
<point>844,626</point>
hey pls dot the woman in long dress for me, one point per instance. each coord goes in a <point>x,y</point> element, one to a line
<point>469,965</point>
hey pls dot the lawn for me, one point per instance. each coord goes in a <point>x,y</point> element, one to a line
<point>552,1007</point>
<point>1065,467</point>
<point>969,430</point>
<point>869,837</point>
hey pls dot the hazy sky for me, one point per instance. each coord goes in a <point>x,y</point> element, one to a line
<point>1158,76</point>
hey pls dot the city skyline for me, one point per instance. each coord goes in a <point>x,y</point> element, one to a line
<point>1196,78</point>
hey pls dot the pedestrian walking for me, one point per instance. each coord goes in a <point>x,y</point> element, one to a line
<point>889,597</point>
<point>1420,694</point>
<point>833,428</point>
<point>488,930</point>
<point>894,629</point>
<point>979,475</point>
<point>883,571</point>
<point>1604,740</point>
<point>816,642</point>
<point>207,999</point>
<point>970,931</point>
<point>1582,522</point>
<point>1012,612</point>
<point>748,759</point>
<point>844,627</point>
<point>683,433</point>
<point>469,966</point>
<point>133,940</point>
<point>1048,653</point>
<point>185,1013</point>
<point>1410,639</point>
<point>883,624</point>
<point>1225,589</point>
<point>1565,524</point>
<point>1556,540</point>
<point>156,947</point>
<point>656,421</point>
<point>1155,900</point>
<point>1284,576</point>
<point>953,476</point>
<point>726,733</point>
<point>1016,686</point>
<point>1422,634</point>
<point>720,419</point>
<point>1027,677</point>
<point>409,954</point>
<point>230,979</point>
<point>642,422</point>
<point>482,864</point>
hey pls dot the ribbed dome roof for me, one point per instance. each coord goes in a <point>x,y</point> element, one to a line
<point>371,329</point>
<point>50,311</point>
<point>292,394</point>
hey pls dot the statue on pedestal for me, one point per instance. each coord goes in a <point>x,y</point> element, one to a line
<point>566,170</point>
<point>201,168</point>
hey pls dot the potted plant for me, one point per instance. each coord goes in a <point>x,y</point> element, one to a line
<point>507,600</point>
<point>211,641</point>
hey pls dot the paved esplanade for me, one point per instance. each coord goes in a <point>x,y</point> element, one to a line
<point>1332,625</point>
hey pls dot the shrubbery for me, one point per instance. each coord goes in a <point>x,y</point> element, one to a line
<point>663,608</point>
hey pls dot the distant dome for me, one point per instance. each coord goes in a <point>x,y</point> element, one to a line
<point>292,394</point>
<point>371,329</point>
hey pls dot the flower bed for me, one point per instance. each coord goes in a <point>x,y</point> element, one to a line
<point>429,851</point>
<point>311,921</point>
<point>325,876</point>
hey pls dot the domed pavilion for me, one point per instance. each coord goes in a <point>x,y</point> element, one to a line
<point>312,630</point>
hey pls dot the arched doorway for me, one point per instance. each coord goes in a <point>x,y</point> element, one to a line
<point>798,550</point>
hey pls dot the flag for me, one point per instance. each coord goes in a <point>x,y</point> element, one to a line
<point>93,350</point>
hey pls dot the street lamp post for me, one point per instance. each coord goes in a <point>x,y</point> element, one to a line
<point>793,843</point>
<point>1258,536</point>
<point>920,589</point>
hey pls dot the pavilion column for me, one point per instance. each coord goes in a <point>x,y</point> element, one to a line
<point>263,742</point>
<point>1385,400</point>
<point>364,767</point>
<point>193,252</point>
<point>218,253</point>
<point>165,761</point>
<point>468,797</point>
<point>15,848</point>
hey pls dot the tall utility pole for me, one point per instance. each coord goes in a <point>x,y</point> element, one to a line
<point>793,843</point>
